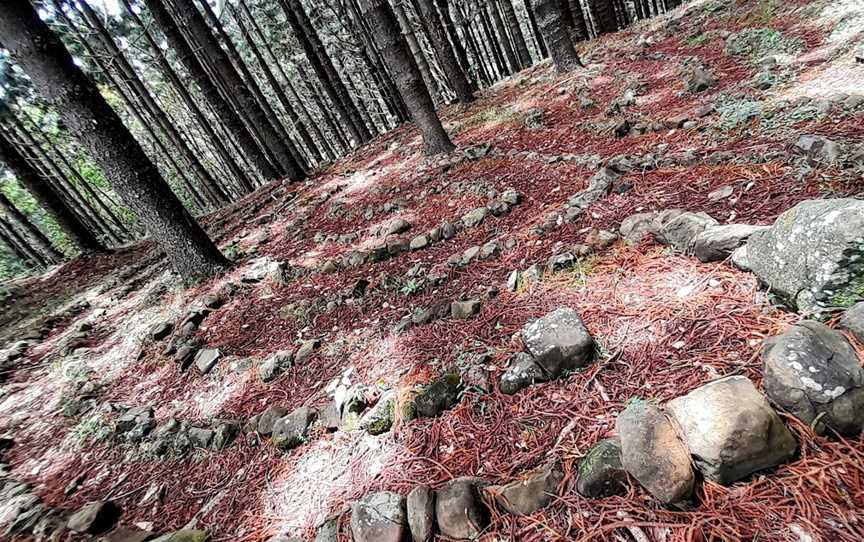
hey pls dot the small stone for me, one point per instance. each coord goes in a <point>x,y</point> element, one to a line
<point>380,417</point>
<point>559,341</point>
<point>731,430</point>
<point>681,230</point>
<point>653,453</point>
<point>200,437</point>
<point>329,267</point>
<point>224,435</point>
<point>94,517</point>
<point>397,245</point>
<point>513,280</point>
<point>717,243</point>
<point>206,359</point>
<point>379,517</point>
<point>438,396</point>
<point>448,230</point>
<point>511,196</point>
<point>532,492</point>
<point>185,355</point>
<point>161,330</point>
<point>459,509</point>
<point>470,254</point>
<point>398,226</point>
<point>721,193</point>
<point>853,321</point>
<point>290,431</point>
<point>421,513</point>
<point>328,531</point>
<point>636,227</point>
<point>600,472</point>
<point>475,217</point>
<point>268,418</point>
<point>306,350</point>
<point>185,535</point>
<point>523,372</point>
<point>699,79</point>
<point>560,262</point>
<point>418,243</point>
<point>462,310</point>
<point>275,364</point>
<point>819,148</point>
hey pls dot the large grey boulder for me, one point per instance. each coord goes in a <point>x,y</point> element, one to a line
<point>717,243</point>
<point>813,255</point>
<point>420,506</point>
<point>379,517</point>
<point>290,431</point>
<point>460,511</point>
<point>559,341</point>
<point>652,452</point>
<point>731,430</point>
<point>681,231</point>
<point>853,321</point>
<point>813,372</point>
<point>531,492</point>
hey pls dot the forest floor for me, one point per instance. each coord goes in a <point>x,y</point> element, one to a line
<point>665,322</point>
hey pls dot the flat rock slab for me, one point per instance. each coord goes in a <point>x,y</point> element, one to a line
<point>559,341</point>
<point>206,359</point>
<point>421,513</point>
<point>813,372</point>
<point>600,471</point>
<point>652,452</point>
<point>379,517</point>
<point>290,431</point>
<point>813,255</point>
<point>717,243</point>
<point>94,517</point>
<point>459,509</point>
<point>532,492</point>
<point>731,430</point>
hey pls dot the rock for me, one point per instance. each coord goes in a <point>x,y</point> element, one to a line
<point>185,355</point>
<point>511,196</point>
<point>681,230</point>
<point>200,437</point>
<point>853,321</point>
<point>560,262</point>
<point>185,535</point>
<point>206,359</point>
<point>731,430</point>
<point>397,245</point>
<point>448,230</point>
<point>598,239</point>
<point>814,373</point>
<point>559,341</point>
<point>699,79</point>
<point>599,187</point>
<point>513,280</point>
<point>328,531</point>
<point>721,193</point>
<point>717,243</point>
<point>438,396</point>
<point>459,510</point>
<point>306,350</point>
<point>122,534</point>
<point>653,453</point>
<point>397,226</point>
<point>421,513</point>
<point>94,517</point>
<point>380,417</point>
<point>819,148</point>
<point>290,431</point>
<point>534,119</point>
<point>379,517</point>
<point>462,310</point>
<point>739,258</point>
<point>523,372</point>
<point>490,250</point>
<point>224,435</point>
<point>329,267</point>
<point>275,364</point>
<point>160,330</point>
<point>813,255</point>
<point>134,417</point>
<point>532,492</point>
<point>268,419</point>
<point>419,242</point>
<point>600,472</point>
<point>469,255</point>
<point>474,217</point>
<point>634,228</point>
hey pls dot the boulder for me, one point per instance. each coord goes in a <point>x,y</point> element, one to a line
<point>94,517</point>
<point>559,341</point>
<point>184,535</point>
<point>400,225</point>
<point>459,509</point>
<point>474,217</point>
<point>379,517</point>
<point>437,396</point>
<point>462,310</point>
<point>268,418</point>
<point>717,243</point>
<point>421,513</point>
<point>600,472</point>
<point>206,359</point>
<point>853,321</point>
<point>380,417</point>
<point>160,330</point>
<point>819,148</point>
<point>681,231</point>
<point>532,492</point>
<point>636,227</point>
<point>122,534</point>
<point>290,431</point>
<point>652,452</point>
<point>814,373</point>
<point>699,80</point>
<point>731,430</point>
<point>813,255</point>
<point>522,372</point>
<point>200,437</point>
<point>275,364</point>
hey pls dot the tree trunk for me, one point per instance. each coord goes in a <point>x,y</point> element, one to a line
<point>538,36</point>
<point>406,74</point>
<point>604,16</point>
<point>550,16</point>
<point>516,33</point>
<point>491,41</point>
<point>482,74</point>
<point>17,217</point>
<point>7,239</point>
<point>455,75</point>
<point>20,246</point>
<point>407,29</point>
<point>87,115</point>
<point>578,25</point>
<point>218,59</point>
<point>41,190</point>
<point>450,28</point>
<point>326,72</point>
<point>503,38</point>
<point>223,110</point>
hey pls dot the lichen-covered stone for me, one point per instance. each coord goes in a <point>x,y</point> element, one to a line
<point>438,396</point>
<point>380,418</point>
<point>379,517</point>
<point>600,471</point>
<point>290,431</point>
<point>559,341</point>
<point>522,372</point>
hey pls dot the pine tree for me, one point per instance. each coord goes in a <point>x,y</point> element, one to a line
<point>437,33</point>
<point>87,115</point>
<point>556,33</point>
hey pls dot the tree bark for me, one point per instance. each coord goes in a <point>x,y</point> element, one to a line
<point>491,40</point>
<point>223,110</point>
<point>12,245</point>
<point>406,74</point>
<point>407,29</point>
<point>550,16</point>
<point>20,246</point>
<point>41,190</point>
<point>450,28</point>
<point>503,38</point>
<point>87,115</point>
<point>17,217</point>
<point>604,16</point>
<point>578,25</point>
<point>538,36</point>
<point>455,75</point>
<point>516,33</point>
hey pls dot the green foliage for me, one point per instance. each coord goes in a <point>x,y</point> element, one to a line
<point>410,287</point>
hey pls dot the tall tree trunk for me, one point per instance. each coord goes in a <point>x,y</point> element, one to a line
<point>450,28</point>
<point>516,33</point>
<point>407,29</point>
<point>10,243</point>
<point>221,107</point>
<point>503,38</point>
<point>578,25</point>
<point>41,190</point>
<point>218,59</point>
<point>87,115</point>
<point>20,246</point>
<point>394,49</point>
<point>604,16</point>
<point>538,36</point>
<point>551,17</point>
<point>482,74</point>
<point>437,34</point>
<point>324,69</point>
<point>491,40</point>
<point>17,217</point>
